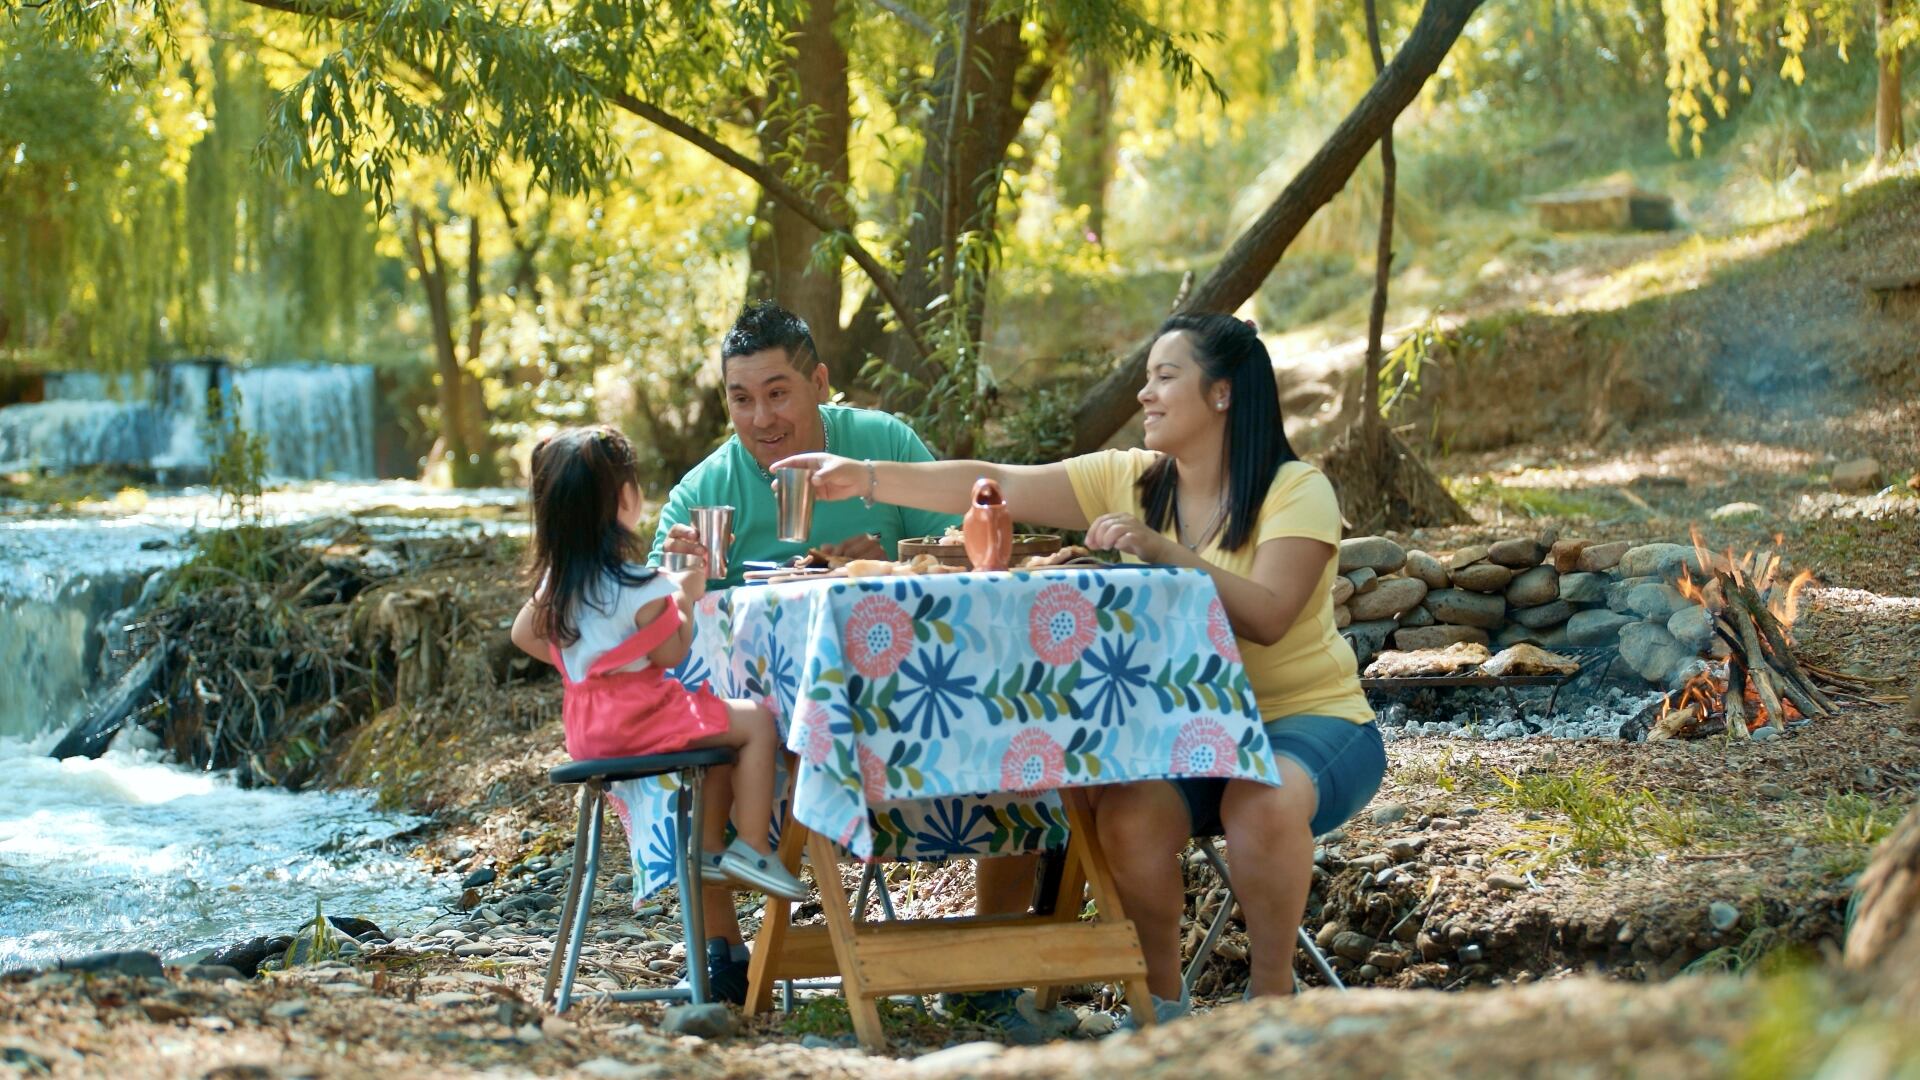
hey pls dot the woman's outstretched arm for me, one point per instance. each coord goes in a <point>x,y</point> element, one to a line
<point>1036,494</point>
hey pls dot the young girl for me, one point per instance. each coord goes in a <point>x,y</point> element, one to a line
<point>613,626</point>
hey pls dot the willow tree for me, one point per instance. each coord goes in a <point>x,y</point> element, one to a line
<point>1715,50</point>
<point>944,89</point>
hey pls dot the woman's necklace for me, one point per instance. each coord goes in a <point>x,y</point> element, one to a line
<point>1213,524</point>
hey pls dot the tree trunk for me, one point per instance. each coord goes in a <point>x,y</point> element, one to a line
<point>1382,256</point>
<point>811,118</point>
<point>1110,404</point>
<point>1889,135</point>
<point>955,190</point>
<point>462,414</point>
<point>1086,146</point>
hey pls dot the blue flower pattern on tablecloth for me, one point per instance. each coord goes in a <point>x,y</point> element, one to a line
<point>923,710</point>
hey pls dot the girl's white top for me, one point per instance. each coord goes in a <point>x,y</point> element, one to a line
<point>605,619</point>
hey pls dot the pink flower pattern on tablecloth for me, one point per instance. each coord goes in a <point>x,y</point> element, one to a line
<point>1221,631</point>
<point>816,742</point>
<point>1061,625</point>
<point>1204,748</point>
<point>879,635</point>
<point>1033,762</point>
<point>708,605</point>
<point>873,776</point>
<point>620,811</point>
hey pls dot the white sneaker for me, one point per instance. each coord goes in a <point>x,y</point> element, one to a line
<point>762,872</point>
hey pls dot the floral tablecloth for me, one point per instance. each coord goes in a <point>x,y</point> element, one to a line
<point>934,716</point>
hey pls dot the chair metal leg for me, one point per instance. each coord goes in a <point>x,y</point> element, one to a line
<point>1200,957</point>
<point>578,936</point>
<point>871,877</point>
<point>562,932</point>
<point>690,807</point>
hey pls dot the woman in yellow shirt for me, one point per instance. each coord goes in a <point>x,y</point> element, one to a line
<point>1217,489</point>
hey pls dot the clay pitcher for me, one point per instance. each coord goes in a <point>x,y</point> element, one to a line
<point>988,527</point>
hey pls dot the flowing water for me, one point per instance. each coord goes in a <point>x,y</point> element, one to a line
<point>131,850</point>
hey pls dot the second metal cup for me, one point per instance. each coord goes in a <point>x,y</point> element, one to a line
<point>714,524</point>
<point>793,488</point>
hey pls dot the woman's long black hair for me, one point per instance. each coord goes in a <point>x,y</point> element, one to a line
<point>1256,443</point>
<point>578,540</point>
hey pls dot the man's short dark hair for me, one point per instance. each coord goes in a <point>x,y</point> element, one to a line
<point>766,325</point>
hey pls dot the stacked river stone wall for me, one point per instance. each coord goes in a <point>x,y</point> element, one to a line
<point>1553,593</point>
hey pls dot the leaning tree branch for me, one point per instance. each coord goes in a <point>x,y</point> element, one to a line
<point>1110,404</point>
<point>883,280</point>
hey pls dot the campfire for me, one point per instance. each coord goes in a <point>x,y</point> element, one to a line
<point>1754,680</point>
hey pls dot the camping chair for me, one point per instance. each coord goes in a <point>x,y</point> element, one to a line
<point>1211,849</point>
<point>594,776</point>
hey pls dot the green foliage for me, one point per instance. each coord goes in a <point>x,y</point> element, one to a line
<point>1586,815</point>
<point>1530,502</point>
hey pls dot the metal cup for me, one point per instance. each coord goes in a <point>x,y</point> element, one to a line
<point>793,487</point>
<point>680,561</point>
<point>714,524</point>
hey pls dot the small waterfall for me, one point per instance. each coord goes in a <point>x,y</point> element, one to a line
<point>317,419</point>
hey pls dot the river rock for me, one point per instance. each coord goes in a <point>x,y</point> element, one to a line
<point>1618,592</point>
<point>1655,601</point>
<point>1692,627</point>
<point>1596,627</point>
<point>1364,579</point>
<point>1416,617</point>
<point>245,956</point>
<point>710,1021</point>
<point>1342,617</point>
<point>1597,558</point>
<point>1735,510</point>
<point>483,876</point>
<point>1565,554</point>
<point>1342,589</point>
<point>1372,635</point>
<point>1515,634</point>
<point>1482,577</point>
<point>128,962</point>
<point>1860,474</point>
<point>1393,596</point>
<point>1459,607</point>
<point>1584,588</point>
<point>1428,569</point>
<point>1353,945</point>
<point>1541,616</point>
<point>1438,637</point>
<point>1466,556</point>
<point>1650,650</point>
<point>1381,554</point>
<point>1519,554</point>
<point>1533,587</point>
<point>1664,561</point>
<point>210,972</point>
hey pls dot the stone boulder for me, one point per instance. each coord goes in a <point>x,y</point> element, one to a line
<point>1584,588</point>
<point>1516,634</point>
<point>1466,556</point>
<point>1596,627</point>
<point>1692,626</point>
<point>1416,617</point>
<point>1565,554</point>
<point>1661,561</point>
<point>1368,638</point>
<point>1394,596</point>
<point>1364,579</point>
<point>1518,554</point>
<point>1601,557</point>
<point>1342,589</point>
<point>1482,577</point>
<point>1428,569</point>
<point>1618,592</point>
<point>1860,474</point>
<point>1438,637</point>
<point>1458,607</point>
<point>1377,552</point>
<point>1655,601</point>
<point>1342,617</point>
<point>1648,649</point>
<point>1538,585</point>
<point>1541,616</point>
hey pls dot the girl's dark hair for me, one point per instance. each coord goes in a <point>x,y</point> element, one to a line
<point>578,475</point>
<point>1256,443</point>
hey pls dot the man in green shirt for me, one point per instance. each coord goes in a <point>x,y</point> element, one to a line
<point>776,391</point>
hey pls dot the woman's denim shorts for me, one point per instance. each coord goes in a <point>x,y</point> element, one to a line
<point>1346,760</point>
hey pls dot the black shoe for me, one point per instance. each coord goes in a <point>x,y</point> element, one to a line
<point>726,977</point>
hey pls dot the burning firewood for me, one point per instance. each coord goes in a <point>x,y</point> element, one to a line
<point>1764,684</point>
